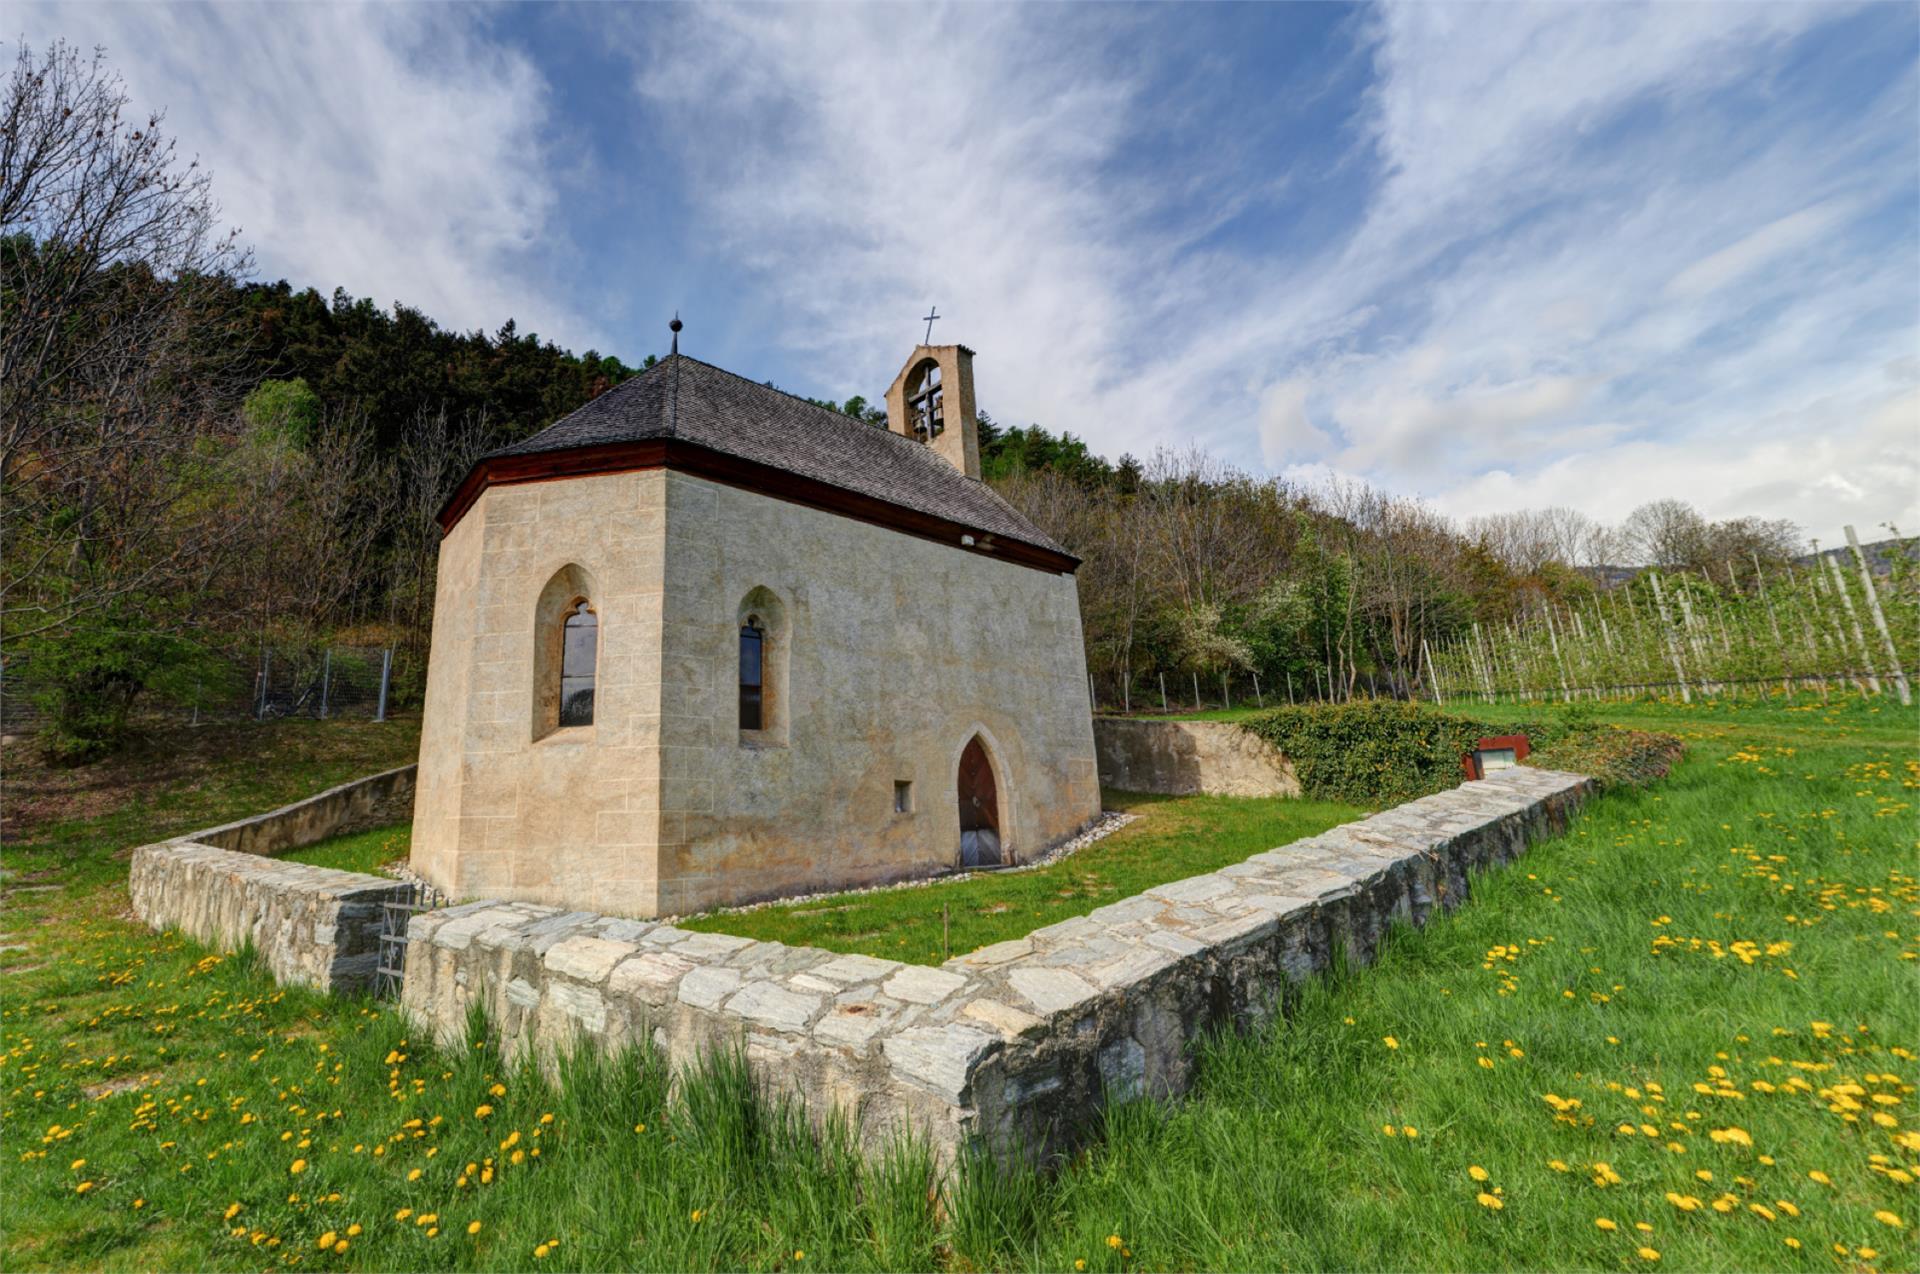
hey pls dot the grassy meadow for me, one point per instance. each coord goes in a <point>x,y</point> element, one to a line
<point>1683,1035</point>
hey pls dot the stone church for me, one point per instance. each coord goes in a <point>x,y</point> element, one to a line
<point>703,643</point>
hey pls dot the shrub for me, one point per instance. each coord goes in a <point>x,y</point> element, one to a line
<point>1382,751</point>
<point>1369,753</point>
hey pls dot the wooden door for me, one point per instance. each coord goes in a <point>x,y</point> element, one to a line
<point>979,809</point>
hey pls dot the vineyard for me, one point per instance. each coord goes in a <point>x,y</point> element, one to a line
<point>1807,628</point>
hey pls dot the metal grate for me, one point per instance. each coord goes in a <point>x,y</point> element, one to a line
<point>394,914</point>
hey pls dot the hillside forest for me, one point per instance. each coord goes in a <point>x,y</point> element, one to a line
<point>194,464</point>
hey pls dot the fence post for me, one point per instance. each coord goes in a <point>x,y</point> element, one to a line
<point>1226,696</point>
<point>386,676</point>
<point>1258,699</point>
<point>326,681</point>
<point>1163,692</point>
<point>266,677</point>
<point>1289,687</point>
<point>1196,691</point>
<point>1092,702</point>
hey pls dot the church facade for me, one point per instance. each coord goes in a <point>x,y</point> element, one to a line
<point>703,643</point>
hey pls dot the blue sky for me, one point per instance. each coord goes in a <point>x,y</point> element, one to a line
<point>1497,257</point>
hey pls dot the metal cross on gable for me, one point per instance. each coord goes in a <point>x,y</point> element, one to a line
<point>933,312</point>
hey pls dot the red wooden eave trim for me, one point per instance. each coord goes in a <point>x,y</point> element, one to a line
<point>686,457</point>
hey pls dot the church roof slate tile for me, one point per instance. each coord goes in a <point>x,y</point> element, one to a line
<point>719,410</point>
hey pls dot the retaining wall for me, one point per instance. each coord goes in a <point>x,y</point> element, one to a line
<point>313,926</point>
<point>1017,1045</point>
<point>377,801</point>
<point>1181,758</point>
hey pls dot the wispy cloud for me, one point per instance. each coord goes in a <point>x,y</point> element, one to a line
<point>1585,233</point>
<point>396,150</point>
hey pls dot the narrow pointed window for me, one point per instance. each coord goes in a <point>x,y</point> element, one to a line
<point>752,676</point>
<point>579,649</point>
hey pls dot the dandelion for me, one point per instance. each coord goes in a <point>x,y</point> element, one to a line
<point>696,1215</point>
<point>326,1240</point>
<point>540,1252</point>
<point>233,1210</point>
<point>1558,1165</point>
<point>403,1214</point>
<point>1490,1201</point>
<point>1865,1253</point>
<point>414,1175</point>
<point>1080,1263</point>
<point>482,1111</point>
<point>297,1167</point>
<point>1605,1224</point>
<point>1885,1217</point>
<point>1389,1041</point>
<point>1792,1242</point>
<point>1389,1129</point>
<point>83,1187</point>
<point>498,1090</point>
<point>353,1231</point>
<point>1113,1240</point>
<point>76,1165</point>
<point>1477,1172</point>
<point>1409,1130</point>
<point>473,1227</point>
<point>639,1127</point>
<point>1820,1177</point>
<point>1647,1254</point>
<point>799,1255</point>
<point>340,1246</point>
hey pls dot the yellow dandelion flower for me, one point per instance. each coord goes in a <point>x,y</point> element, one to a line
<point>414,1175</point>
<point>539,1253</point>
<point>1477,1172</point>
<point>83,1187</point>
<point>353,1231</point>
<point>498,1090</point>
<point>482,1111</point>
<point>1080,1263</point>
<point>1605,1224</point>
<point>1820,1177</point>
<point>1113,1240</point>
<point>326,1240</point>
<point>1792,1242</point>
<point>1389,1041</point>
<point>1558,1165</point>
<point>403,1214</point>
<point>1647,1254</point>
<point>696,1215</point>
<point>1866,1253</point>
<point>1409,1130</point>
<point>1492,1201</point>
<point>473,1227</point>
<point>297,1167</point>
<point>799,1255</point>
<point>76,1165</point>
<point>1885,1217</point>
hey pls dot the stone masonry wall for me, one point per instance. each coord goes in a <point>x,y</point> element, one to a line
<point>377,801</point>
<point>1015,1046</point>
<point>313,926</point>
<point>1180,758</point>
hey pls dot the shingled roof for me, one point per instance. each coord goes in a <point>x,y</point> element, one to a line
<point>684,400</point>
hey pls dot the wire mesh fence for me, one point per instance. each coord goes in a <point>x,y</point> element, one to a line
<point>270,682</point>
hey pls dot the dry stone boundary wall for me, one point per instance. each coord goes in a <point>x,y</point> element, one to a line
<point>312,925</point>
<point>1016,1046</point>
<point>1181,758</point>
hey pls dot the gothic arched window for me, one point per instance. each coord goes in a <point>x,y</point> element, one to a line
<point>926,402</point>
<point>753,641</point>
<point>580,645</point>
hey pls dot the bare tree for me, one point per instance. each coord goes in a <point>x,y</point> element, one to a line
<point>113,338</point>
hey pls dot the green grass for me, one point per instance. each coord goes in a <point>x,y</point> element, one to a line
<point>1175,837</point>
<point>366,851</point>
<point>174,1075</point>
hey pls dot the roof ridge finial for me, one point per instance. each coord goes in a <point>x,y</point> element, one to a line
<point>673,425</point>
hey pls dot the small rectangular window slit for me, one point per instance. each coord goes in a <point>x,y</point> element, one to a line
<point>903,796</point>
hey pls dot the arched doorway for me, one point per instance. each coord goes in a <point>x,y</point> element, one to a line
<point>979,809</point>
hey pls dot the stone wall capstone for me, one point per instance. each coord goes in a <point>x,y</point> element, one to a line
<point>1016,1046</point>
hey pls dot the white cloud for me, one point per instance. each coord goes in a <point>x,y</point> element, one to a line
<point>394,150</point>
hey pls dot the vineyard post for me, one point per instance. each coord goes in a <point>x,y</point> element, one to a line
<point>1289,687</point>
<point>1880,621</point>
<point>1163,692</point>
<point>1773,621</point>
<point>1553,639</point>
<point>1673,646</point>
<point>1853,620</point>
<point>1701,662</point>
<point>1433,674</point>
